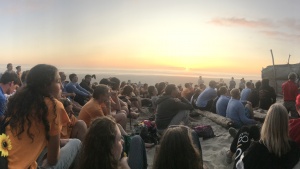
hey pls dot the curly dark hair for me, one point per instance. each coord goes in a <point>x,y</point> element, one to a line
<point>97,145</point>
<point>29,101</point>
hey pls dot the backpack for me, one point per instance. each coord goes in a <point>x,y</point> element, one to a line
<point>204,131</point>
<point>147,131</point>
<point>4,144</point>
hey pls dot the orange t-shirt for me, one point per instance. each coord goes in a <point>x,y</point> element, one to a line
<point>67,129</point>
<point>25,151</point>
<point>90,111</point>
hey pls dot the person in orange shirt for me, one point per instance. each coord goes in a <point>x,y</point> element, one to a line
<point>75,128</point>
<point>188,91</point>
<point>98,106</point>
<point>35,119</point>
<point>92,108</point>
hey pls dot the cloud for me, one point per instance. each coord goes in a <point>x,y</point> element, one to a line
<point>290,23</point>
<point>287,29</point>
<point>20,7</point>
<point>241,22</point>
<point>282,35</point>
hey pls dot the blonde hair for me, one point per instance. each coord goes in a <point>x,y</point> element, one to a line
<point>274,132</point>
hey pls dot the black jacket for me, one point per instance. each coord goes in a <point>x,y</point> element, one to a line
<point>167,108</point>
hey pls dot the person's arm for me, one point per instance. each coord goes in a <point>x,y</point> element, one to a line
<point>243,117</point>
<point>53,149</point>
<point>75,90</point>
<point>82,89</point>
<point>116,105</point>
<point>182,105</point>
<point>123,164</point>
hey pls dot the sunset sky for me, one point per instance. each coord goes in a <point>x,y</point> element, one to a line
<point>217,36</point>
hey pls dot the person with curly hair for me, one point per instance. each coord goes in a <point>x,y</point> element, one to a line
<point>35,119</point>
<point>102,148</point>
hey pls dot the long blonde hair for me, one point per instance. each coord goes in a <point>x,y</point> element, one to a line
<point>274,132</point>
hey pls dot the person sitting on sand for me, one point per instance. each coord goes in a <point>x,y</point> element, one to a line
<point>86,83</point>
<point>9,67</point>
<point>294,124</point>
<point>178,149</point>
<point>8,84</point>
<point>242,84</point>
<point>205,99</point>
<point>144,91</point>
<point>116,86</point>
<point>35,117</point>
<point>188,91</point>
<point>131,100</point>
<point>254,95</point>
<point>95,107</point>
<point>75,128</point>
<point>246,92</point>
<point>194,98</point>
<point>76,106</point>
<point>222,102</point>
<point>153,96</point>
<point>161,88</point>
<point>74,87</point>
<point>171,110</point>
<point>237,112</point>
<point>116,103</point>
<point>267,95</point>
<point>294,130</point>
<point>102,148</point>
<point>18,71</point>
<point>274,148</point>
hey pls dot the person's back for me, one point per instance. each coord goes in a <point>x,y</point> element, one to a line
<point>290,92</point>
<point>236,110</point>
<point>274,150</point>
<point>246,92</point>
<point>205,99</point>
<point>222,104</point>
<point>267,95</point>
<point>254,95</point>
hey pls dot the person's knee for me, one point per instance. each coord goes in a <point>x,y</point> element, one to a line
<point>122,116</point>
<point>74,143</point>
<point>81,124</point>
<point>136,140</point>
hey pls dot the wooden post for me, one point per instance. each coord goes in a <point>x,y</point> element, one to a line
<point>274,70</point>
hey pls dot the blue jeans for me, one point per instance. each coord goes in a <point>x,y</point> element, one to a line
<point>67,156</point>
<point>137,158</point>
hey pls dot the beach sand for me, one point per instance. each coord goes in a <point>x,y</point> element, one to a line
<point>213,149</point>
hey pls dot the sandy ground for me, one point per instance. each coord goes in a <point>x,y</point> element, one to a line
<point>214,149</point>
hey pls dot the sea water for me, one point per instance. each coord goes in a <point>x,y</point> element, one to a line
<point>151,76</point>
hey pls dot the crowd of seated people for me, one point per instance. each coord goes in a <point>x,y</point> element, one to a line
<point>42,109</point>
